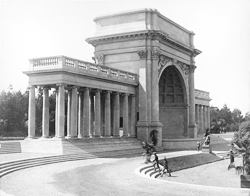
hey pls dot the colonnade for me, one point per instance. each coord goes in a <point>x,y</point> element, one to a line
<point>90,113</point>
<point>202,117</point>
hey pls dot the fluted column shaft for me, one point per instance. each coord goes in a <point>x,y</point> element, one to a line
<point>32,113</point>
<point>116,121</point>
<point>202,120</point>
<point>92,115</point>
<point>198,117</point>
<point>80,115</point>
<point>73,117</point>
<point>125,114</point>
<point>97,113</point>
<point>86,113</point>
<point>107,114</point>
<point>45,121</point>
<point>133,117</point>
<point>61,111</point>
<point>208,116</point>
<point>69,113</point>
<point>56,115</point>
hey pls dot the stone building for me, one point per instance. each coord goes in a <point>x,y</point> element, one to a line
<point>143,80</point>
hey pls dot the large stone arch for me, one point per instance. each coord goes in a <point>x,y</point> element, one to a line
<point>173,102</point>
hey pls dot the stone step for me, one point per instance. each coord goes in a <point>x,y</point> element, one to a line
<point>10,147</point>
<point>6,168</point>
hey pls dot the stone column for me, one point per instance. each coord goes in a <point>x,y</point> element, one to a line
<point>32,113</point>
<point>208,116</point>
<point>73,117</point>
<point>69,113</point>
<point>133,117</point>
<point>202,120</point>
<point>107,114</point>
<point>205,118</point>
<point>86,113</point>
<point>192,125</point>
<point>198,118</point>
<point>45,120</point>
<point>92,115</point>
<point>61,111</point>
<point>56,114</point>
<point>97,113</point>
<point>125,115</point>
<point>116,116</point>
<point>80,115</point>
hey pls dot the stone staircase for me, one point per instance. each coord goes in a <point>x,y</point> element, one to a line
<point>72,150</point>
<point>10,147</point>
<point>149,171</point>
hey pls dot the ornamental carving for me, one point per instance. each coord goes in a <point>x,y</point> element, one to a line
<point>155,54</point>
<point>142,54</point>
<point>183,67</point>
<point>100,58</point>
<point>163,60</point>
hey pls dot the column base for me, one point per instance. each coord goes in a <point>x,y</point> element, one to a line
<point>192,131</point>
<point>45,136</point>
<point>71,137</point>
<point>30,138</point>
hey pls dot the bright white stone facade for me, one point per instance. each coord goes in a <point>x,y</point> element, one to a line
<point>144,78</point>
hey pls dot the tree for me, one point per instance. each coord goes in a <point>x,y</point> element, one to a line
<point>13,113</point>
<point>237,117</point>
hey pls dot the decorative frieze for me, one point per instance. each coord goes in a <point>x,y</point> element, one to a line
<point>142,54</point>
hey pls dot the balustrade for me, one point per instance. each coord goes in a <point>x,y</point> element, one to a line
<point>61,62</point>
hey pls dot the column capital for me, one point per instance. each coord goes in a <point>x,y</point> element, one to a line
<point>142,54</point>
<point>155,54</point>
<point>46,87</point>
<point>192,68</point>
<point>125,94</point>
<point>30,86</point>
<point>116,93</point>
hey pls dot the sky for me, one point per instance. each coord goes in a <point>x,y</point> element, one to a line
<point>32,29</point>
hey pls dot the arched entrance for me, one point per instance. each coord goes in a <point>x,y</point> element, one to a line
<point>173,104</point>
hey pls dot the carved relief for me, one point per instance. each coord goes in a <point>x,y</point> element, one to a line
<point>155,54</point>
<point>163,60</point>
<point>142,54</point>
<point>100,58</point>
<point>183,67</point>
<point>192,68</point>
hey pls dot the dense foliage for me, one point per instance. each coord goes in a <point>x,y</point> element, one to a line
<point>241,144</point>
<point>13,113</point>
<point>223,120</point>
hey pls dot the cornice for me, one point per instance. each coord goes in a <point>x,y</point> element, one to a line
<point>149,34</point>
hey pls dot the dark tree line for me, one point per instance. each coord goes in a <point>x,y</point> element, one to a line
<point>14,113</point>
<point>224,120</point>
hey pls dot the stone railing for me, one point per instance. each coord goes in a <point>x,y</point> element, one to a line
<point>75,65</point>
<point>201,94</point>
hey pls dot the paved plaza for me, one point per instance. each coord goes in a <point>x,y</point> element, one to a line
<point>120,176</point>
